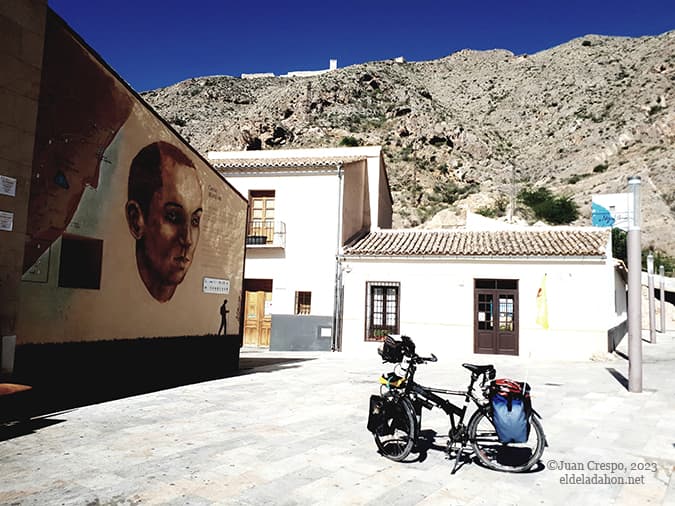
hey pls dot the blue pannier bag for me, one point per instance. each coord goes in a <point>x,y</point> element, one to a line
<point>511,410</point>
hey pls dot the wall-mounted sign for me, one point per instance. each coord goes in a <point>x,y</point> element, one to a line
<point>7,186</point>
<point>6,221</point>
<point>215,285</point>
<point>611,210</point>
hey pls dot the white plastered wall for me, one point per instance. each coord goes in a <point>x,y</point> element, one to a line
<point>437,296</point>
<point>308,205</point>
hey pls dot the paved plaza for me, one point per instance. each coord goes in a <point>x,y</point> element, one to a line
<point>291,429</point>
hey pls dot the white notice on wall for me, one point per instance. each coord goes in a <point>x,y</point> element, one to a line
<point>6,221</point>
<point>7,186</point>
<point>215,285</point>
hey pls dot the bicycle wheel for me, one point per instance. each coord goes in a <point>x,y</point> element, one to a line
<point>511,457</point>
<point>396,437</point>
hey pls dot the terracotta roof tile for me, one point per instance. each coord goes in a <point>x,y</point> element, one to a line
<point>531,242</point>
<point>283,163</point>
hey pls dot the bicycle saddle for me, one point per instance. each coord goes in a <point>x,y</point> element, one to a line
<point>478,369</point>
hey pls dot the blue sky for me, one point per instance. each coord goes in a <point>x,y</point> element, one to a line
<point>156,43</point>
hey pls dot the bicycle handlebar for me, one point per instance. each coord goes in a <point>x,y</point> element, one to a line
<point>421,360</point>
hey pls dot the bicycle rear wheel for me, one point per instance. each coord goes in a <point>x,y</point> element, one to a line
<point>396,437</point>
<point>511,457</point>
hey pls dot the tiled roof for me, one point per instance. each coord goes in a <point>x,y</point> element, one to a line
<point>283,163</point>
<point>536,242</point>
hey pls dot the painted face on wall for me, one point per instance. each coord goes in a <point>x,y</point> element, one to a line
<point>172,225</point>
<point>168,232</point>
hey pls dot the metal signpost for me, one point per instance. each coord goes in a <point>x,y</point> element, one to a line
<point>634,290</point>
<point>662,276</point>
<point>650,287</point>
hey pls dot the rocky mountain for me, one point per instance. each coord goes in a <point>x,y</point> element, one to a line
<point>472,129</point>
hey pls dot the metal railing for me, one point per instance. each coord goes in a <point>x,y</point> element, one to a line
<point>266,233</point>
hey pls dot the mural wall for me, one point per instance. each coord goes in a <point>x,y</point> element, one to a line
<point>130,232</point>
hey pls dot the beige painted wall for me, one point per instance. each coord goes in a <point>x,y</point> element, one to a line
<point>92,205</point>
<point>22,26</point>
<point>356,202</point>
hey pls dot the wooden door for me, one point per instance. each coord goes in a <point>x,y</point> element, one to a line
<point>484,322</point>
<point>507,336</point>
<point>258,318</point>
<point>266,323</point>
<point>496,317</point>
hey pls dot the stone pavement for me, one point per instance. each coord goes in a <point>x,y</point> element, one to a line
<point>294,433</point>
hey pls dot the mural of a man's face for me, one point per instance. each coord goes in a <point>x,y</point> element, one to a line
<point>166,227</point>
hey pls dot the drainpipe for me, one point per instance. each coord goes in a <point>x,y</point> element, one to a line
<point>662,276</point>
<point>337,299</point>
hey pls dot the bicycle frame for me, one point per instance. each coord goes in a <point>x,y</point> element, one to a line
<point>427,397</point>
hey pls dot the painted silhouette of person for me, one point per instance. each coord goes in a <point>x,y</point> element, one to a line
<point>163,211</point>
<point>223,317</point>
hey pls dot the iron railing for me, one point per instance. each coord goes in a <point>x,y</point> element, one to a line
<point>266,233</point>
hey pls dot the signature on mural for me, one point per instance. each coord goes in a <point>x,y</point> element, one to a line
<point>163,211</point>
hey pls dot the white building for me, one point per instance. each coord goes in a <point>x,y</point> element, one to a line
<point>324,270</point>
<point>462,292</point>
<point>304,206</point>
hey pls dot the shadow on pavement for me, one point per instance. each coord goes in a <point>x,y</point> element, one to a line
<point>72,375</point>
<point>247,365</point>
<point>618,377</point>
<point>25,427</point>
<point>428,440</point>
<point>621,354</point>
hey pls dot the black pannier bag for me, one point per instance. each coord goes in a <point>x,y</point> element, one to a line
<point>385,416</point>
<point>377,418</point>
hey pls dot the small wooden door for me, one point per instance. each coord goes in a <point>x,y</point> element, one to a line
<point>258,318</point>
<point>496,317</point>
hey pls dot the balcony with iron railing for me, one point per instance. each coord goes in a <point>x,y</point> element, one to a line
<point>266,234</point>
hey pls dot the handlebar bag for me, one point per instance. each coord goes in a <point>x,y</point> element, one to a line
<point>511,410</point>
<point>392,350</point>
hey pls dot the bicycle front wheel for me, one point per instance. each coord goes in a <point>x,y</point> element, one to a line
<point>396,437</point>
<point>511,457</point>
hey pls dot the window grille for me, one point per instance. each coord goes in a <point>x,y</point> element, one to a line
<point>382,309</point>
<point>303,302</point>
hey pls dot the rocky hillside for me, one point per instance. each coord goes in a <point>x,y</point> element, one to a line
<point>471,129</point>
